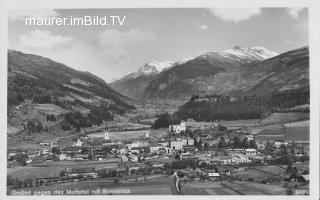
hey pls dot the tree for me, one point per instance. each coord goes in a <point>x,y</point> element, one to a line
<point>252,144</point>
<point>236,143</point>
<point>222,143</point>
<point>10,180</point>
<point>245,143</point>
<point>62,173</point>
<point>166,166</point>
<point>164,120</point>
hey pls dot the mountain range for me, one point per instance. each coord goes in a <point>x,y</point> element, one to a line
<point>236,71</point>
<point>36,78</point>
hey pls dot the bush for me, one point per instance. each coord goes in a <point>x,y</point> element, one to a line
<point>164,120</point>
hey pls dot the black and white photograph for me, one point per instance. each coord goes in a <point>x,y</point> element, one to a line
<point>158,101</point>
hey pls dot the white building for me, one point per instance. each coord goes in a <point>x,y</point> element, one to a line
<point>190,142</point>
<point>147,134</point>
<point>64,157</point>
<point>124,158</point>
<point>176,145</point>
<point>250,137</point>
<point>107,135</point>
<point>178,128</point>
<point>279,143</point>
<point>154,148</point>
<point>79,143</point>
<point>251,152</point>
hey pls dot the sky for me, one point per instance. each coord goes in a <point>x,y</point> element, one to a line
<point>158,34</point>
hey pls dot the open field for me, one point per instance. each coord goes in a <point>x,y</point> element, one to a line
<point>48,169</point>
<point>297,131</point>
<point>153,186</point>
<point>32,141</point>
<point>126,135</point>
<point>259,173</point>
<point>276,118</point>
<point>253,188</point>
<point>232,188</point>
<point>50,109</point>
<point>234,124</point>
<point>240,123</point>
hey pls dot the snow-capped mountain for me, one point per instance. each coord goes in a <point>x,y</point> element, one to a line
<point>237,70</point>
<point>154,67</point>
<point>149,69</point>
<point>222,71</point>
<point>243,55</point>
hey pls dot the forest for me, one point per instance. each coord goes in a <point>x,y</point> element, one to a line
<point>218,107</point>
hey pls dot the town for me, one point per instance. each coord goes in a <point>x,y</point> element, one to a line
<point>190,152</point>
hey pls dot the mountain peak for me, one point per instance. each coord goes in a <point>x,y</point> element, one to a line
<point>247,54</point>
<point>236,47</point>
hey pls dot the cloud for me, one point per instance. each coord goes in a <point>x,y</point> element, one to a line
<point>235,14</point>
<point>294,12</point>
<point>120,39</point>
<point>112,50</point>
<point>204,27</point>
<point>288,42</point>
<point>42,39</point>
<point>22,14</point>
<point>199,24</point>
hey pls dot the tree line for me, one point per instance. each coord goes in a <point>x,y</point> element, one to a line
<point>247,107</point>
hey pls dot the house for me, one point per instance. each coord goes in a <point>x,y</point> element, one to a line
<point>298,178</point>
<point>213,174</point>
<point>189,149</point>
<point>250,152</point>
<point>176,145</point>
<point>49,145</point>
<point>261,146</point>
<point>154,149</point>
<point>185,156</point>
<point>234,160</point>
<point>250,137</point>
<point>178,128</point>
<point>136,149</point>
<point>123,151</point>
<point>81,156</point>
<point>190,142</point>
<point>133,144</point>
<point>124,158</point>
<point>133,158</point>
<point>147,134</point>
<point>64,156</point>
<point>279,143</point>
<point>79,143</point>
<point>236,151</point>
<point>187,142</point>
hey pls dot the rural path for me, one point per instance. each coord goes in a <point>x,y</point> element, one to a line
<point>173,186</point>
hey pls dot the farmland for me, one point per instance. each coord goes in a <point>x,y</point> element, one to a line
<point>296,131</point>
<point>276,118</point>
<point>232,188</point>
<point>52,168</point>
<point>156,185</point>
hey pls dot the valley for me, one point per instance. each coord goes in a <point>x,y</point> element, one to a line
<point>211,124</point>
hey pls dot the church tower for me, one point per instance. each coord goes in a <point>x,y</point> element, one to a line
<point>107,135</point>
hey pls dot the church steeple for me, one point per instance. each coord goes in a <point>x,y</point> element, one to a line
<point>107,134</point>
